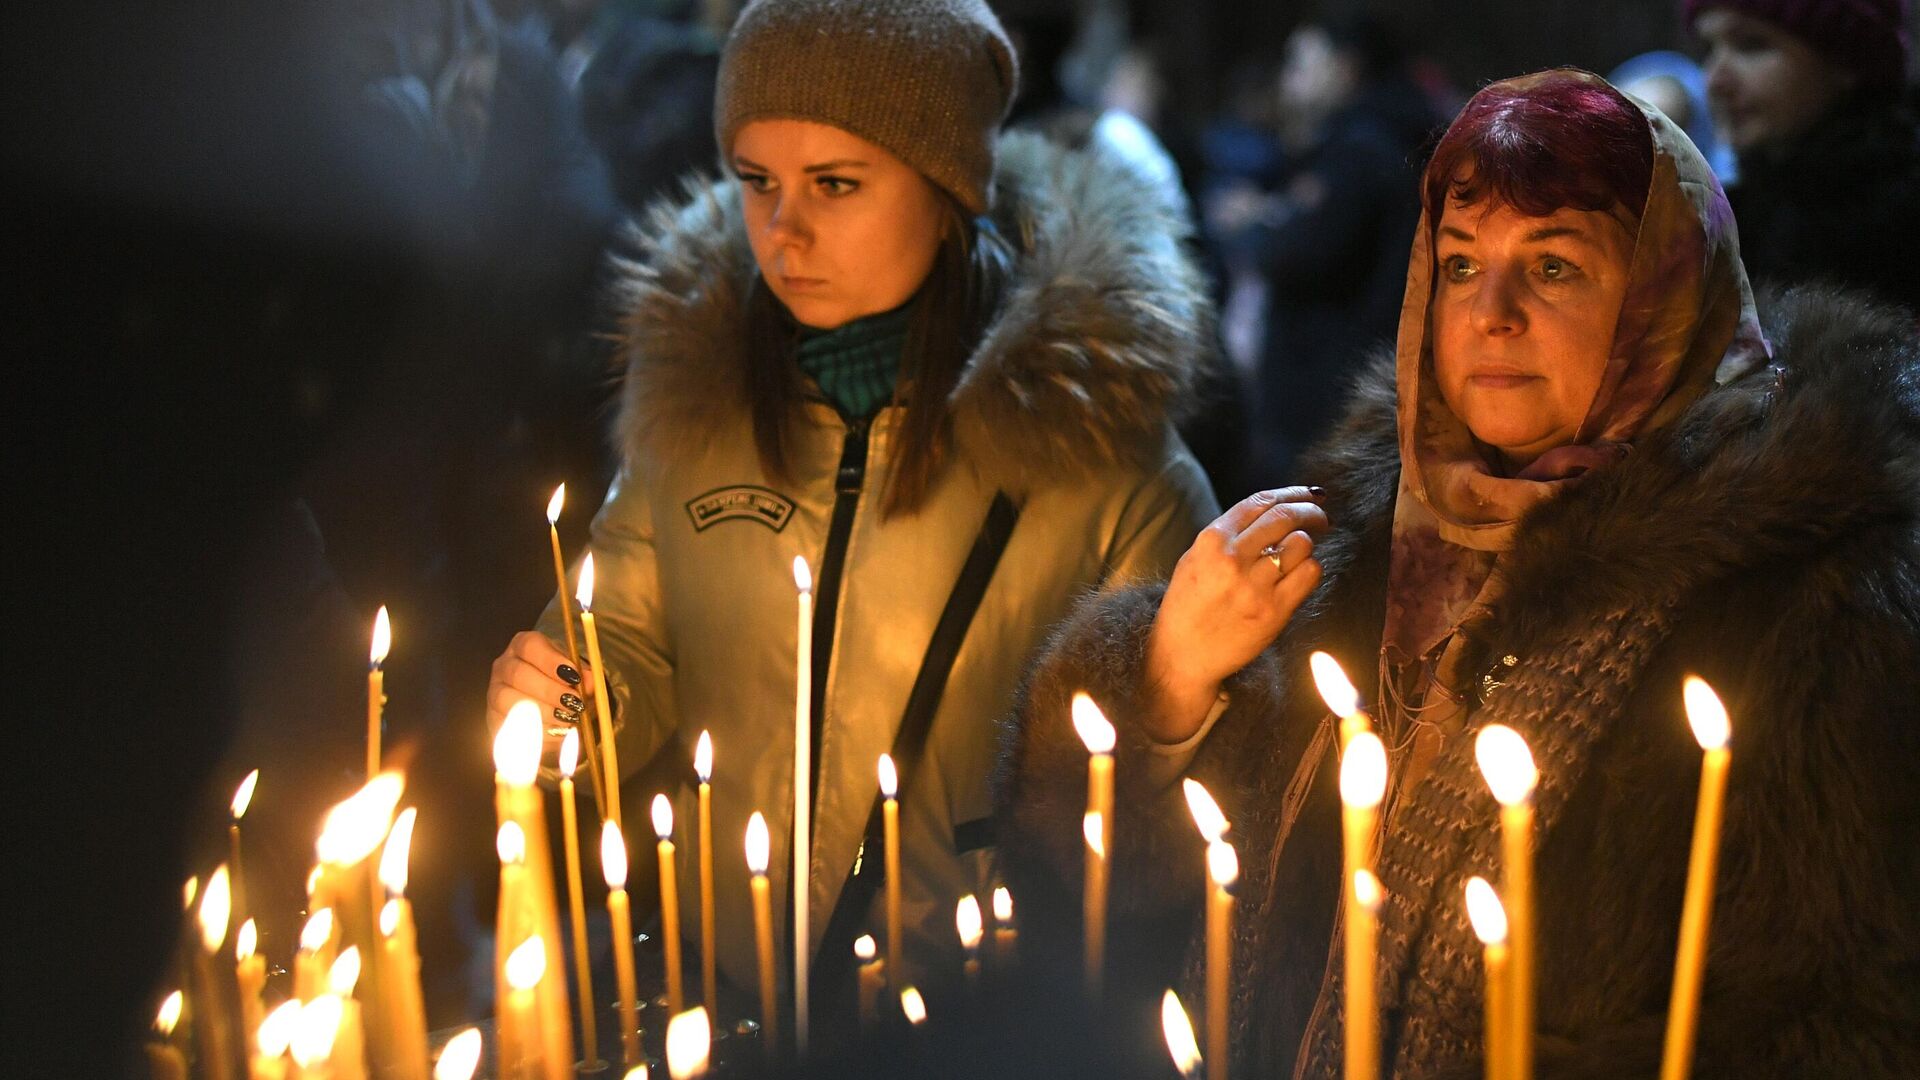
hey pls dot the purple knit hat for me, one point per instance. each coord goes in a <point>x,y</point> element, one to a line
<point>1868,36</point>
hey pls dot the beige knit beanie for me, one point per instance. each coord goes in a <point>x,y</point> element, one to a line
<point>927,80</point>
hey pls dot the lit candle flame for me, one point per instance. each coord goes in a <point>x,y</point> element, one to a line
<point>246,941</point>
<point>527,964</point>
<point>510,843</point>
<point>393,861</point>
<point>889,777</point>
<point>689,1041</point>
<point>344,975</point>
<point>1485,911</point>
<point>583,588</point>
<point>355,827</point>
<point>662,817</point>
<point>966,917</point>
<point>1206,813</point>
<point>802,575</point>
<point>313,880</point>
<point>190,890</point>
<point>758,843</point>
<point>1506,763</point>
<point>313,1036</point>
<point>277,1029</point>
<point>516,747</point>
<point>1705,714</point>
<point>613,855</point>
<point>703,758</point>
<point>216,907</point>
<point>1335,688</point>
<point>382,637</point>
<point>865,948</point>
<point>1178,1029</point>
<point>314,935</point>
<point>389,918</point>
<point>1091,827</point>
<point>1223,864</point>
<point>569,759</point>
<point>243,795</point>
<point>1367,891</point>
<point>460,1058</point>
<point>554,504</point>
<point>169,1015</point>
<point>1092,725</point>
<point>1363,771</point>
<point>913,1006</point>
<point>638,1072</point>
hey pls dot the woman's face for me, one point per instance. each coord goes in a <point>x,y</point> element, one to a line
<point>840,228</point>
<point>1763,84</point>
<point>1522,317</point>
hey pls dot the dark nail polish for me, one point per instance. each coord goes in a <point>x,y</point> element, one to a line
<point>566,717</point>
<point>571,703</point>
<point>1317,492</point>
<point>567,674</point>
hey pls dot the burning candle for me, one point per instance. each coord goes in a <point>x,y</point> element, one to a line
<point>213,1011</point>
<point>757,856</point>
<point>272,1040</point>
<point>376,688</point>
<point>1489,921</point>
<point>242,798</point>
<point>250,972</point>
<point>802,798</point>
<point>1708,718</point>
<point>1098,735</point>
<point>403,1022</point>
<point>314,1034</point>
<point>528,907</point>
<point>602,704</point>
<point>460,1057</point>
<point>576,900</point>
<point>966,918</point>
<point>524,1054</point>
<point>1223,870</point>
<point>1006,936</point>
<point>689,1042</point>
<point>1179,1034</point>
<point>890,835</point>
<point>1508,767</point>
<point>703,768</point>
<point>310,963</point>
<point>352,831</point>
<point>349,1056</point>
<point>164,1060</point>
<point>913,1006</point>
<point>1363,783</point>
<point>669,902</point>
<point>1338,692</point>
<point>554,505</point>
<point>873,976</point>
<point>613,866</point>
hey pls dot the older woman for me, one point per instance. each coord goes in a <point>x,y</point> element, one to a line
<point>1580,479</point>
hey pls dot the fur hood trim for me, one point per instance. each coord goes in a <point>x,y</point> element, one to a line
<point>1097,346</point>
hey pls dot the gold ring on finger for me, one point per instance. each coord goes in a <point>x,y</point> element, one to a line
<point>1272,552</point>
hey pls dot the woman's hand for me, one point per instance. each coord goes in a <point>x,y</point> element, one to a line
<point>1231,594</point>
<point>532,669</point>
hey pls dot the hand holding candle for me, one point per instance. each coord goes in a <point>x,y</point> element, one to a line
<point>669,903</point>
<point>613,864</point>
<point>1507,764</point>
<point>757,856</point>
<point>1708,718</point>
<point>1099,737</point>
<point>703,768</point>
<point>1363,784</point>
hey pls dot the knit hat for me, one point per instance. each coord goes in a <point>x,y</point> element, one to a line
<point>927,80</point>
<point>1867,36</point>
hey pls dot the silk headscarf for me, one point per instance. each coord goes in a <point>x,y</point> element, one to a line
<point>1687,321</point>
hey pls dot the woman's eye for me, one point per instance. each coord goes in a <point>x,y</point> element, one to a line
<point>1554,269</point>
<point>838,185</point>
<point>756,181</point>
<point>1457,267</point>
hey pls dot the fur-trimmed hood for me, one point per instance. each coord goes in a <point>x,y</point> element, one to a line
<point>1098,343</point>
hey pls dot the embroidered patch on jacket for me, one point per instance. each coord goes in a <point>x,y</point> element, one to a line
<point>769,508</point>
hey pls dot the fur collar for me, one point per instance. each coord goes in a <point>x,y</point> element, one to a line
<point>1097,345</point>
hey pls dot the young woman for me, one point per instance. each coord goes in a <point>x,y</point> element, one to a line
<point>1579,480</point>
<point>887,339</point>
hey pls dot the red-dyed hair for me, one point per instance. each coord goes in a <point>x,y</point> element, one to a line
<point>1565,141</point>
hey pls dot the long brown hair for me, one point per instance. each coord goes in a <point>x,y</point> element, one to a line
<point>950,313</point>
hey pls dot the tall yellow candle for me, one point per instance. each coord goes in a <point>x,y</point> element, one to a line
<point>250,973</point>
<point>524,1059</point>
<point>613,866</point>
<point>758,844</point>
<point>576,900</point>
<point>1489,921</point>
<point>212,1006</point>
<point>403,1020</point>
<point>802,800</point>
<point>352,831</point>
<point>966,919</point>
<point>242,799</point>
<point>349,1057</point>
<point>315,1030</point>
<point>703,768</point>
<point>376,688</point>
<point>1178,1031</point>
<point>1508,766</point>
<point>272,1040</point>
<point>315,955</point>
<point>872,978</point>
<point>1223,870</point>
<point>1708,717</point>
<point>588,742</point>
<point>1338,692</point>
<point>602,704</point>
<point>164,1060</point>
<point>1006,936</point>
<point>1363,783</point>
<point>669,903</point>
<point>890,837</point>
<point>529,910</point>
<point>1097,826</point>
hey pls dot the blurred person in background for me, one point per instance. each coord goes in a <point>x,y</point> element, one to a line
<point>1808,93</point>
<point>1673,83</point>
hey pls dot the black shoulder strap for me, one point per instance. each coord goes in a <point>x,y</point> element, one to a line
<point>909,743</point>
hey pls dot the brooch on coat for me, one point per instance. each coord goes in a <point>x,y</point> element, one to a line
<point>1496,676</point>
